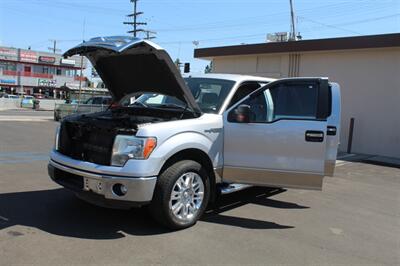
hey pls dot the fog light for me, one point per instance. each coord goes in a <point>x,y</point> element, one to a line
<point>119,190</point>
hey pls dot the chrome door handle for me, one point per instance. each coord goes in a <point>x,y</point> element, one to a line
<point>314,136</point>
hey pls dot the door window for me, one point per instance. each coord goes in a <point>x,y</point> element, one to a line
<point>244,90</point>
<point>90,101</point>
<point>97,100</point>
<point>284,101</point>
<point>298,101</point>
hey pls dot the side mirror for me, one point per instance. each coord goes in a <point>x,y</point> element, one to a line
<point>241,114</point>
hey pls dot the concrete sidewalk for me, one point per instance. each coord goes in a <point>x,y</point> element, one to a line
<point>25,115</point>
<point>372,159</point>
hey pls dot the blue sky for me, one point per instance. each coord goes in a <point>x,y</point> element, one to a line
<point>178,23</point>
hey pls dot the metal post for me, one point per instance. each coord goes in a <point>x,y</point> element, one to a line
<point>80,81</point>
<point>134,18</point>
<point>350,139</point>
<point>292,36</point>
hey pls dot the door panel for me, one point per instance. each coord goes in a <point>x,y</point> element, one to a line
<point>274,150</point>
<point>333,131</point>
<point>265,177</point>
<point>285,149</point>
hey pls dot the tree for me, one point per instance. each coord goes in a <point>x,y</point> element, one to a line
<point>178,64</point>
<point>209,68</point>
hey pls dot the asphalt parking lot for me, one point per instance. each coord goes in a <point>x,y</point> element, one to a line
<point>354,220</point>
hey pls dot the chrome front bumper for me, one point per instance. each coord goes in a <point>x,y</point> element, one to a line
<point>138,190</point>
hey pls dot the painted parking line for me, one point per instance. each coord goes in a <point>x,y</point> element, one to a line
<point>9,118</point>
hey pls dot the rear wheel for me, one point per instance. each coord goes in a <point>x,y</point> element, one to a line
<point>181,195</point>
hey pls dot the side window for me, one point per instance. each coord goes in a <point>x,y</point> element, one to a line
<point>97,100</point>
<point>106,101</point>
<point>90,101</point>
<point>295,101</point>
<point>284,101</point>
<point>244,90</point>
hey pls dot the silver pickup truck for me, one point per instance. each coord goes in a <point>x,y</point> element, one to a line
<point>186,139</point>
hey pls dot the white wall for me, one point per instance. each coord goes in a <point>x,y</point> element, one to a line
<point>9,103</point>
<point>370,82</point>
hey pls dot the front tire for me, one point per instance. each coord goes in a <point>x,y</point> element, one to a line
<point>181,195</point>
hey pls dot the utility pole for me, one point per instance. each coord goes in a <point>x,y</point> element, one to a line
<point>54,48</point>
<point>292,36</point>
<point>81,72</point>
<point>149,33</point>
<point>135,23</point>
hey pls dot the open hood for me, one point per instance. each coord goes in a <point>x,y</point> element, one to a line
<point>130,65</point>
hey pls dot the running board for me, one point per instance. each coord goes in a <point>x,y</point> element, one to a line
<point>230,188</point>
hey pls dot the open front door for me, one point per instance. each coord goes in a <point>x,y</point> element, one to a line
<point>277,135</point>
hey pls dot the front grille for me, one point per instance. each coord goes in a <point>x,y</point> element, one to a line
<point>68,180</point>
<point>86,143</point>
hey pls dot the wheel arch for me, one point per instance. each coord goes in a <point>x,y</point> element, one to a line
<point>199,156</point>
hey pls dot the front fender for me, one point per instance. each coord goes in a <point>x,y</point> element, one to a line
<point>180,142</point>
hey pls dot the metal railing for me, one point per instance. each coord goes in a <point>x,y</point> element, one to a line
<point>63,110</point>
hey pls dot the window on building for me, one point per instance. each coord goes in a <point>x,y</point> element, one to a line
<point>58,71</point>
<point>8,66</point>
<point>45,70</point>
<point>69,72</point>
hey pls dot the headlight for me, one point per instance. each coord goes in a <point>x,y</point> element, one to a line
<point>57,138</point>
<point>131,147</point>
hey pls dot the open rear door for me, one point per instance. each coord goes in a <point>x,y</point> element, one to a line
<point>284,141</point>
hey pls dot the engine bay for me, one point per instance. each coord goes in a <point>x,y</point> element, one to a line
<point>90,137</point>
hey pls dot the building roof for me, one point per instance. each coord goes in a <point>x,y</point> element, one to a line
<point>358,42</point>
<point>233,77</point>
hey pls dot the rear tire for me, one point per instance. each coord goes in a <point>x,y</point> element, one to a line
<point>181,195</point>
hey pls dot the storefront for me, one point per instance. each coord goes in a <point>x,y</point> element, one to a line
<point>38,73</point>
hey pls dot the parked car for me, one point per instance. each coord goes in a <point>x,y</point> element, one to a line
<point>39,96</point>
<point>75,101</point>
<point>10,96</point>
<point>187,139</point>
<point>93,104</point>
<point>27,101</point>
<point>99,100</point>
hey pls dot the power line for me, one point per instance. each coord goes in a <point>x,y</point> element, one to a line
<point>330,26</point>
<point>338,26</point>
<point>322,24</point>
<point>150,34</point>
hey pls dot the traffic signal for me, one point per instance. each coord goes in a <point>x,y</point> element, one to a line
<point>186,68</point>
